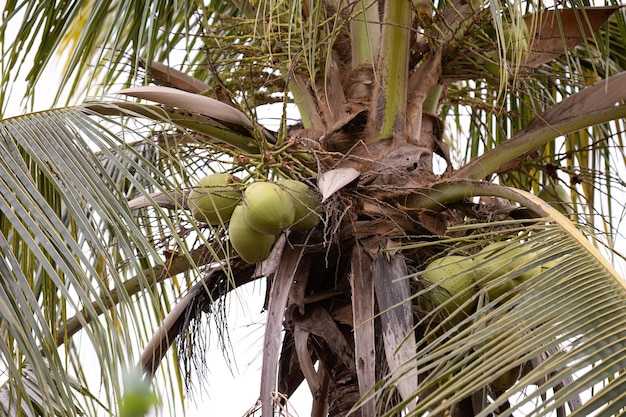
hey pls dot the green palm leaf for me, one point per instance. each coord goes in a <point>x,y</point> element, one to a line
<point>568,316</point>
<point>75,245</point>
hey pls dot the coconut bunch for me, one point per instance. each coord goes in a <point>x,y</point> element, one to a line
<point>454,280</point>
<point>255,213</point>
<point>457,278</point>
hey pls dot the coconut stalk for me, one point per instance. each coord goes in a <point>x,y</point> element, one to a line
<point>365,32</point>
<point>303,97</point>
<point>527,140</point>
<point>388,110</point>
<point>591,106</point>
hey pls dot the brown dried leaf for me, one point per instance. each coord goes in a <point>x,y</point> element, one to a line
<point>290,375</point>
<point>393,294</point>
<point>278,295</point>
<point>167,76</point>
<point>362,284</point>
<point>298,288</point>
<point>301,340</point>
<point>319,408</point>
<point>433,221</point>
<point>319,322</point>
<point>331,99</point>
<point>346,132</point>
<point>554,32</point>
<point>194,103</point>
<point>269,266</point>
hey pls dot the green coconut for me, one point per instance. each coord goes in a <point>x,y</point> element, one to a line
<point>516,39</point>
<point>506,380</point>
<point>492,64</point>
<point>250,245</point>
<point>455,283</point>
<point>213,198</point>
<point>558,197</point>
<point>306,203</point>
<point>499,258</point>
<point>138,397</point>
<point>269,208</point>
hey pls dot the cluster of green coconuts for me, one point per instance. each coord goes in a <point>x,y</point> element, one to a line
<point>457,278</point>
<point>558,197</point>
<point>461,276</point>
<point>256,213</point>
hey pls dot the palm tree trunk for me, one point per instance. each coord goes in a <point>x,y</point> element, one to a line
<point>343,393</point>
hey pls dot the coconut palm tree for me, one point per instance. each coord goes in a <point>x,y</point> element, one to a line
<point>463,166</point>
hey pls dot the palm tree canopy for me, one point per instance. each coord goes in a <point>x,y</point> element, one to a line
<point>426,133</point>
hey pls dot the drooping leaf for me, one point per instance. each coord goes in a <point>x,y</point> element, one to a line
<point>362,284</point>
<point>170,77</point>
<point>195,103</point>
<point>216,284</point>
<point>279,294</point>
<point>69,179</point>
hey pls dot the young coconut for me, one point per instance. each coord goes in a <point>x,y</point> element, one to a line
<point>516,39</point>
<point>269,208</point>
<point>307,205</point>
<point>455,284</point>
<point>558,197</point>
<point>508,379</point>
<point>250,245</point>
<point>213,198</point>
<point>499,258</point>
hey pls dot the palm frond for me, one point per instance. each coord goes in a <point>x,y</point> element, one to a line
<point>527,325</point>
<point>580,160</point>
<point>72,246</point>
<point>104,43</point>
